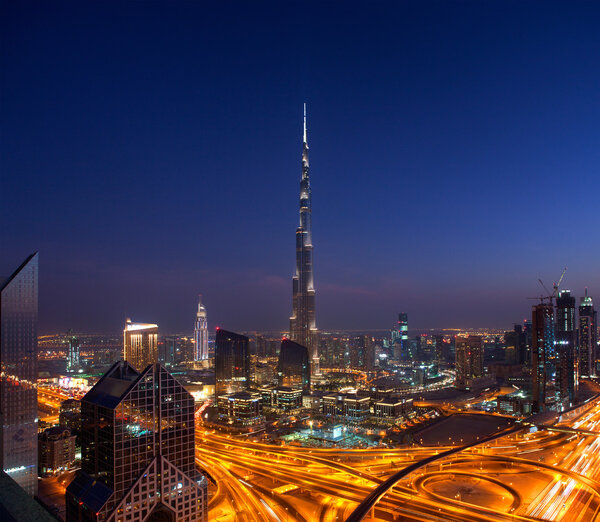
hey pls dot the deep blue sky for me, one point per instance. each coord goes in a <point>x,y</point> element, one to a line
<point>151,152</point>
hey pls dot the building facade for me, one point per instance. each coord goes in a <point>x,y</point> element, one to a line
<point>73,349</point>
<point>566,348</point>
<point>18,381</point>
<point>140,344</point>
<point>469,360</point>
<point>201,333</point>
<point>588,336</point>
<point>232,363</point>
<point>303,326</point>
<point>543,357</point>
<point>56,447</point>
<point>138,451</point>
<point>293,368</point>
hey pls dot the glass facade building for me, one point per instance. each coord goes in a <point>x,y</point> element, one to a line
<point>18,385</point>
<point>543,355</point>
<point>140,344</point>
<point>232,363</point>
<point>137,438</point>
<point>566,349</point>
<point>588,336</point>
<point>303,328</point>
<point>293,368</point>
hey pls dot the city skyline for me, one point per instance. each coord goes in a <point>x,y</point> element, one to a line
<point>439,137</point>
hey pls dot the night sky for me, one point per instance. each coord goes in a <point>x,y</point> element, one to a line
<point>151,152</point>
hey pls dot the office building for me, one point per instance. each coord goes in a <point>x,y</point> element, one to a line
<point>56,447</point>
<point>566,348</point>
<point>241,409</point>
<point>18,384</point>
<point>138,451</point>
<point>293,368</point>
<point>469,360</point>
<point>201,333</point>
<point>72,353</point>
<point>70,415</point>
<point>543,357</point>
<point>588,336</point>
<point>140,344</point>
<point>303,327</point>
<point>232,363</point>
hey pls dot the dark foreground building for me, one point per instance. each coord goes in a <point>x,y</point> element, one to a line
<point>137,438</point>
<point>18,391</point>
<point>294,365</point>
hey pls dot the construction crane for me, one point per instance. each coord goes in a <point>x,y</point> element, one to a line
<point>551,296</point>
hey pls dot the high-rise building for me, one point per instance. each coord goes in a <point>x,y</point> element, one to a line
<point>588,332</point>
<point>232,363</point>
<point>543,358</point>
<point>200,333</point>
<point>138,452</point>
<point>469,360</point>
<point>303,328</point>
<point>293,368</point>
<point>72,353</point>
<point>140,346</point>
<point>566,349</point>
<point>18,384</point>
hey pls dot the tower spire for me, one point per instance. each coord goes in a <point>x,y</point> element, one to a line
<point>305,122</point>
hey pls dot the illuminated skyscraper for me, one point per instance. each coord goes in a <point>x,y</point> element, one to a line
<point>566,347</point>
<point>588,331</point>
<point>294,366</point>
<point>303,327</point>
<point>140,344</point>
<point>18,385</point>
<point>72,353</point>
<point>138,451</point>
<point>543,357</point>
<point>201,333</point>
<point>469,360</point>
<point>232,363</point>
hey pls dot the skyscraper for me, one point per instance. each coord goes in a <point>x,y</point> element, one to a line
<point>18,384</point>
<point>543,359</point>
<point>293,368</point>
<point>72,353</point>
<point>566,348</point>
<point>138,451</point>
<point>232,363</point>
<point>140,342</point>
<point>201,333</point>
<point>469,360</point>
<point>303,327</point>
<point>588,330</point>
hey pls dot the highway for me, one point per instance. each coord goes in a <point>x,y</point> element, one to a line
<point>549,474</point>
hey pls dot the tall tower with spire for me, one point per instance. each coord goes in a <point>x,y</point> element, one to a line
<point>303,327</point>
<point>200,333</point>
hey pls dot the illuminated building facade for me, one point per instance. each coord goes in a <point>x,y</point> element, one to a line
<point>72,353</point>
<point>56,449</point>
<point>201,333</point>
<point>588,333</point>
<point>566,346</point>
<point>241,408</point>
<point>469,360</point>
<point>138,453</point>
<point>18,384</point>
<point>293,368</point>
<point>232,363</point>
<point>140,344</point>
<point>303,327</point>
<point>543,359</point>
